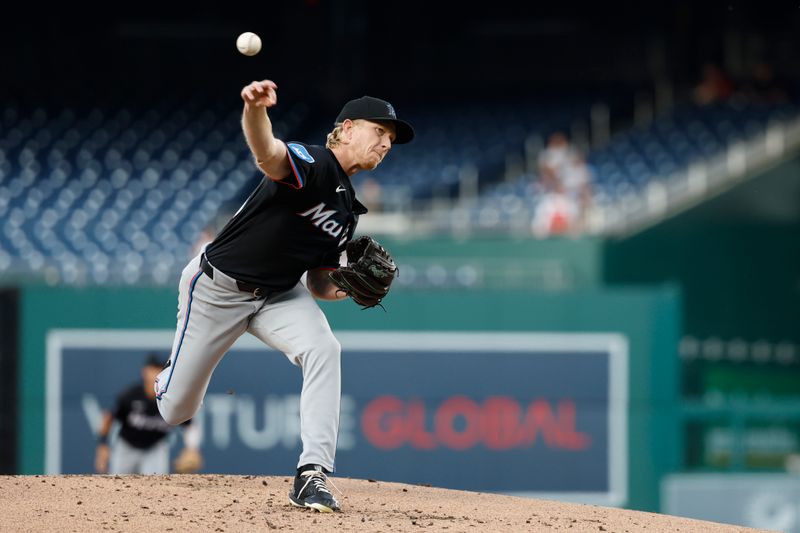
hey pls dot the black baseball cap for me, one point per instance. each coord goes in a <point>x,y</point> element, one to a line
<point>153,359</point>
<point>370,108</point>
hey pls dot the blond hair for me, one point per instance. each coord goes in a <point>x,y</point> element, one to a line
<point>334,139</point>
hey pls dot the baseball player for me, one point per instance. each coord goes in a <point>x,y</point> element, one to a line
<point>142,446</point>
<point>298,220</point>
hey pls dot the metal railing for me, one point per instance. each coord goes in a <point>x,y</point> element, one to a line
<point>701,180</point>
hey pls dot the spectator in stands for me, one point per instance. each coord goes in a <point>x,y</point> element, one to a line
<point>556,214</point>
<point>565,182</point>
<point>553,160</point>
<point>369,192</point>
<point>764,86</point>
<point>205,237</point>
<point>715,86</point>
<point>577,185</point>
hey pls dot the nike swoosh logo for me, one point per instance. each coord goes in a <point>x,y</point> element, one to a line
<point>340,189</point>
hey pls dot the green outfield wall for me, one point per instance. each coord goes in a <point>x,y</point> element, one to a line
<point>504,262</point>
<point>736,257</point>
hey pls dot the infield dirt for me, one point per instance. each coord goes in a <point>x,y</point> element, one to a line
<point>225,503</point>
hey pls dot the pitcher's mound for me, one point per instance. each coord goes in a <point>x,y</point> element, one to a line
<point>260,503</point>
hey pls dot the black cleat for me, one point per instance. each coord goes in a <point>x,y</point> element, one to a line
<point>311,490</point>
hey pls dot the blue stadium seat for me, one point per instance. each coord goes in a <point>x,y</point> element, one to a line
<point>120,196</point>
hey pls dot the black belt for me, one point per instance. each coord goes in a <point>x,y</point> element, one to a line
<point>255,290</point>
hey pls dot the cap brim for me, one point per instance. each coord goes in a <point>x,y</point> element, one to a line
<point>404,133</point>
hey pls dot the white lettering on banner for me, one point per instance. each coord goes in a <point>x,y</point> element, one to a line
<point>219,408</point>
<point>92,411</point>
<point>276,423</point>
<point>291,421</point>
<point>253,438</point>
<point>347,424</point>
<point>318,216</point>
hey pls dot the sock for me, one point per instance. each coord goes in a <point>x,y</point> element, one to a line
<point>318,468</point>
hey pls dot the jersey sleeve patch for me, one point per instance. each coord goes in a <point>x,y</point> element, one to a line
<point>301,152</point>
<point>295,180</point>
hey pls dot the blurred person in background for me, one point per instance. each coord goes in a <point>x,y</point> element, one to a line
<point>142,444</point>
<point>556,213</point>
<point>565,183</point>
<point>577,185</point>
<point>764,86</point>
<point>714,86</point>
<point>370,194</point>
<point>202,240</point>
<point>553,161</point>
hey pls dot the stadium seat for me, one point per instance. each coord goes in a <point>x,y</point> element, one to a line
<point>90,196</point>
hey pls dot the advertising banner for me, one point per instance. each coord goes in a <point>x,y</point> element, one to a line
<point>534,414</point>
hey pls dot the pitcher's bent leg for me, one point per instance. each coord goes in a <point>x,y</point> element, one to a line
<point>208,324</point>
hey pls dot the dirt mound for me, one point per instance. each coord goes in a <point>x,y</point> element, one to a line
<point>260,503</point>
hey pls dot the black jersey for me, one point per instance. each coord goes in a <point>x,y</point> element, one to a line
<point>289,226</point>
<point>142,424</point>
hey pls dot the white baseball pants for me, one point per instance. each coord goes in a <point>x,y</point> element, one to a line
<point>213,313</point>
<point>127,459</point>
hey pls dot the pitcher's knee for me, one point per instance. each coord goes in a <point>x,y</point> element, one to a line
<point>172,413</point>
<point>332,346</point>
<point>328,349</point>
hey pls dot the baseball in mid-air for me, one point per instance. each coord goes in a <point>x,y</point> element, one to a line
<point>248,43</point>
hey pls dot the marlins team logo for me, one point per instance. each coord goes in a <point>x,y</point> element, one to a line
<point>301,152</point>
<point>323,219</point>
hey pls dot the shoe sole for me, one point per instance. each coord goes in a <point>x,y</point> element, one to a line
<point>316,506</point>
